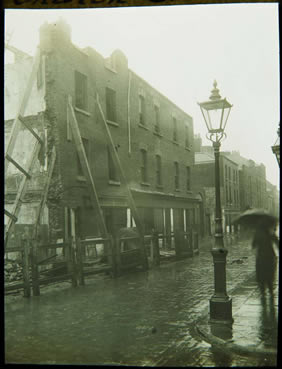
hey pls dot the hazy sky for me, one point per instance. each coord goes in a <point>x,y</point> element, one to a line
<point>180,50</point>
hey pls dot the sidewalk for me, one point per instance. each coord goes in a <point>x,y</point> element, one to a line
<point>143,318</point>
<point>255,329</point>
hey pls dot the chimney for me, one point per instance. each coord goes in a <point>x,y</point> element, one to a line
<point>54,35</point>
<point>197,143</point>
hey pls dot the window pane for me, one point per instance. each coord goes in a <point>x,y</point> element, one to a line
<point>80,91</point>
<point>111,167</point>
<point>142,111</point>
<point>86,148</point>
<point>176,178</point>
<point>143,166</point>
<point>157,119</point>
<point>158,170</point>
<point>174,129</point>
<point>111,104</point>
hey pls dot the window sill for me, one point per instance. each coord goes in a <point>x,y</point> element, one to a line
<point>81,178</point>
<point>112,123</point>
<point>177,190</point>
<point>189,191</point>
<point>142,126</point>
<point>114,183</point>
<point>157,134</point>
<point>187,148</point>
<point>82,111</point>
<point>145,184</point>
<point>175,143</point>
<point>160,187</point>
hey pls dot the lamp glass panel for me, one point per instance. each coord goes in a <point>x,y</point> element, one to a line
<point>226,112</point>
<point>215,118</point>
<point>206,118</point>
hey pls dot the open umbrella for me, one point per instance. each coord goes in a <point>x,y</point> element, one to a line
<point>256,218</point>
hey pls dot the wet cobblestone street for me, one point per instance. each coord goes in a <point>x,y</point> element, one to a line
<point>142,318</point>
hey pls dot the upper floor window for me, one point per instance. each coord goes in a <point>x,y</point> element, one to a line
<point>159,170</point>
<point>188,178</point>
<point>142,110</point>
<point>174,122</point>
<point>144,176</point>
<point>111,167</point>
<point>157,118</point>
<point>187,138</point>
<point>176,175</point>
<point>86,149</point>
<point>80,91</point>
<point>111,104</point>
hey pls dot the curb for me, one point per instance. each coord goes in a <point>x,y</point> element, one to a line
<point>233,347</point>
<point>229,346</point>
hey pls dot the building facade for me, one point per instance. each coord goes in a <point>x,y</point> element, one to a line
<point>152,136</point>
<point>252,178</point>
<point>204,179</point>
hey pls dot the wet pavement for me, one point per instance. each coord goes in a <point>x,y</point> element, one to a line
<point>142,318</point>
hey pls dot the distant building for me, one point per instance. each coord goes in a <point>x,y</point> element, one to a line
<point>252,178</point>
<point>204,179</point>
<point>272,194</point>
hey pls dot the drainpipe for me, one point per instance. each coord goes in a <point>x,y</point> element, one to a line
<point>128,113</point>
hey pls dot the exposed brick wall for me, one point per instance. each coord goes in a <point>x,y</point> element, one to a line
<point>62,60</point>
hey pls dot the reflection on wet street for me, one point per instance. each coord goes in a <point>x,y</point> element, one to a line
<point>137,319</point>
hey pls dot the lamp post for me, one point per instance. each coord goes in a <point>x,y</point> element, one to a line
<point>276,147</point>
<point>216,112</point>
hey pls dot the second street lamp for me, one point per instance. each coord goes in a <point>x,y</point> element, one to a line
<point>216,112</point>
<point>276,147</point>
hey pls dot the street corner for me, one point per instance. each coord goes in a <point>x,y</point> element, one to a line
<point>220,336</point>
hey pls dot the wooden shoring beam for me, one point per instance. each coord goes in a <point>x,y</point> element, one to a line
<point>31,130</point>
<point>123,180</point>
<point>16,124</point>
<point>21,169</point>
<point>21,190</point>
<point>45,193</point>
<point>10,215</point>
<point>86,169</point>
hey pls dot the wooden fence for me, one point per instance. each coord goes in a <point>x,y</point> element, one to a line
<point>77,259</point>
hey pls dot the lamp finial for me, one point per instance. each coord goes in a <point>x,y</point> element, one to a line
<point>215,92</point>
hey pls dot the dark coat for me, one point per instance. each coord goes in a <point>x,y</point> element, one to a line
<point>266,260</point>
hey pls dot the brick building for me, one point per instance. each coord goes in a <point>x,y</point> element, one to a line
<point>272,196</point>
<point>152,136</point>
<point>252,178</point>
<point>204,179</point>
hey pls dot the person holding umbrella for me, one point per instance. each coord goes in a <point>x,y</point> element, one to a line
<point>266,260</point>
<point>263,243</point>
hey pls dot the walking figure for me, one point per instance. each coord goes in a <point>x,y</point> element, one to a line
<point>266,261</point>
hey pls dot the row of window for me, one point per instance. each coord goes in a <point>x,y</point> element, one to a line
<point>157,124</point>
<point>228,171</point>
<point>113,174</point>
<point>229,198</point>
<point>111,109</point>
<point>159,172</point>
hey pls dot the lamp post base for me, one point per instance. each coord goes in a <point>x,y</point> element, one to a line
<point>221,310</point>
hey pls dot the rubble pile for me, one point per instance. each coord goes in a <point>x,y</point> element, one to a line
<point>13,271</point>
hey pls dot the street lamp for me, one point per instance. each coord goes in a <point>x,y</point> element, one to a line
<point>216,112</point>
<point>276,147</point>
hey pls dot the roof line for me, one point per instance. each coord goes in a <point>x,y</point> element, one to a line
<point>130,70</point>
